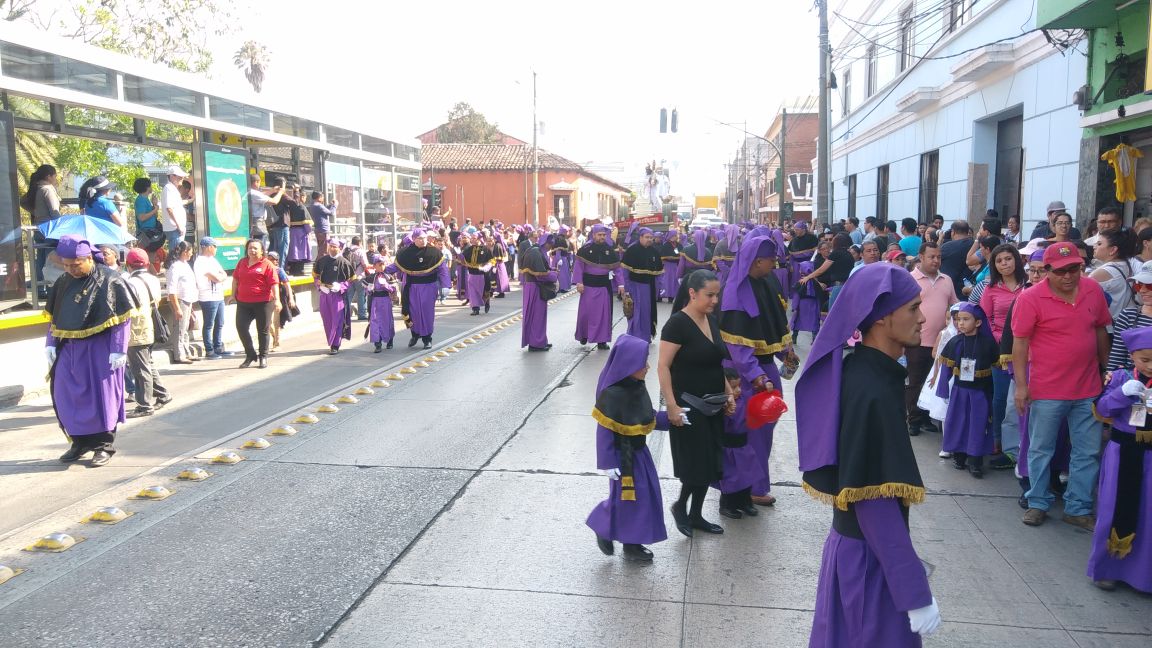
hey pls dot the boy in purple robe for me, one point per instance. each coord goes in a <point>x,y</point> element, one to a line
<point>966,362</point>
<point>633,514</point>
<point>742,468</point>
<point>333,275</point>
<point>425,278</point>
<point>89,309</point>
<point>670,257</point>
<point>538,282</point>
<point>643,268</point>
<point>754,326</point>
<point>382,325</point>
<point>1122,539</point>
<point>477,261</point>
<point>598,278</point>
<point>502,263</point>
<point>856,455</point>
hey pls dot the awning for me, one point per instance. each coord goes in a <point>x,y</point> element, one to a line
<point>1081,14</point>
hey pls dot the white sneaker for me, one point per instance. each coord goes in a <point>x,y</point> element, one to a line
<point>945,455</point>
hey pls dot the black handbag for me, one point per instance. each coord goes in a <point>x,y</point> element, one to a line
<point>160,331</point>
<point>547,290</point>
<point>708,404</point>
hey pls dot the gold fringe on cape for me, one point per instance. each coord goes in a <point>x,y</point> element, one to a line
<point>760,347</point>
<point>1118,547</point>
<point>639,429</point>
<point>417,273</point>
<point>907,493</point>
<point>89,332</point>
<point>654,273</point>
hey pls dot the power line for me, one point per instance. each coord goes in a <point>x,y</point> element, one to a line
<point>897,25</point>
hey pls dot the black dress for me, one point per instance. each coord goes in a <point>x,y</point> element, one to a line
<point>697,453</point>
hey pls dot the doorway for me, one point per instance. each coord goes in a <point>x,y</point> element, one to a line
<point>1009,166</point>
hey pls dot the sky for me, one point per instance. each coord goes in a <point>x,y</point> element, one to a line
<point>604,69</point>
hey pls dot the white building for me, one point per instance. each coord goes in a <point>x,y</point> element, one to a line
<point>946,107</point>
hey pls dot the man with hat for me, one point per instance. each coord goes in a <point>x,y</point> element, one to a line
<point>172,213</point>
<point>150,395</point>
<point>1059,350</point>
<point>856,455</point>
<point>88,309</point>
<point>1043,229</point>
<point>210,278</point>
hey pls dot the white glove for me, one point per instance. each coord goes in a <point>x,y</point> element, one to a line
<point>611,473</point>
<point>924,621</point>
<point>1133,388</point>
<point>50,353</point>
<point>117,361</point>
<point>324,289</point>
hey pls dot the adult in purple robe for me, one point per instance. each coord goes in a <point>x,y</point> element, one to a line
<point>754,326</point>
<point>538,283</point>
<point>381,325</point>
<point>856,455</point>
<point>696,255</point>
<point>1122,539</point>
<point>425,276</point>
<point>89,308</point>
<point>669,283</point>
<point>459,269</point>
<point>724,255</point>
<point>299,248</point>
<point>633,513</point>
<point>642,268</point>
<point>800,249</point>
<point>334,274</point>
<point>562,258</point>
<point>502,266</point>
<point>598,279</point>
<point>478,264</point>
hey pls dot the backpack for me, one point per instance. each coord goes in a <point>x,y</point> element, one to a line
<point>160,331</point>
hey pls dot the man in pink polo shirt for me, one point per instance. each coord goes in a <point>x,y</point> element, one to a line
<point>936,296</point>
<point>1059,350</point>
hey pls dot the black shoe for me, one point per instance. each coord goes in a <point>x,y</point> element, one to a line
<point>262,363</point>
<point>913,429</point>
<point>487,307</point>
<point>101,457</point>
<point>539,349</point>
<point>638,553</point>
<point>139,412</point>
<point>958,461</point>
<point>389,344</point>
<point>427,345</point>
<point>606,546</point>
<point>1023,502</point>
<point>1002,462</point>
<point>499,295</point>
<point>247,363</point>
<point>731,513</point>
<point>378,348</point>
<point>74,453</point>
<point>680,516</point>
<point>583,341</point>
<point>750,510</point>
<point>161,402</point>
<point>475,312</point>
<point>413,341</point>
<point>976,470</point>
<point>706,526</point>
<point>603,346</point>
<point>333,351</point>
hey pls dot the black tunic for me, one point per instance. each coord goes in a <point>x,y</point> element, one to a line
<point>697,452</point>
<point>334,269</point>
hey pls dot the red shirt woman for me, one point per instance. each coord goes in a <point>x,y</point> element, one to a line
<point>254,283</point>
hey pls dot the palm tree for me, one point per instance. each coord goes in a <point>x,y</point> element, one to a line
<point>252,57</point>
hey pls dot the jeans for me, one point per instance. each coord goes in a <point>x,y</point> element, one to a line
<point>213,312</point>
<point>278,242</point>
<point>261,313</point>
<point>360,294</point>
<point>179,341</point>
<point>1000,381</point>
<point>1010,428</point>
<point>1085,431</point>
<point>174,237</point>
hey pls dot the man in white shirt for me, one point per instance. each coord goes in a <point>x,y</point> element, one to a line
<point>210,278</point>
<point>259,204</point>
<point>172,212</point>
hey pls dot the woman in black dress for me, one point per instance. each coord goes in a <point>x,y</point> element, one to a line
<point>691,353</point>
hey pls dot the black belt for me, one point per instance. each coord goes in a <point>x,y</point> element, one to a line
<point>475,271</point>
<point>597,281</point>
<point>381,293</point>
<point>729,440</point>
<point>423,279</point>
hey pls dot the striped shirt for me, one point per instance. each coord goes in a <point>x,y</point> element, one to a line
<point>1129,318</point>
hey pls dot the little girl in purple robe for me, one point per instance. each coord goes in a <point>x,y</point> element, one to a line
<point>742,468</point>
<point>633,514</point>
<point>966,362</point>
<point>1122,540</point>
<point>382,324</point>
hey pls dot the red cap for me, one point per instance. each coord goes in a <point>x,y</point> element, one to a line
<point>1059,255</point>
<point>763,408</point>
<point>137,258</point>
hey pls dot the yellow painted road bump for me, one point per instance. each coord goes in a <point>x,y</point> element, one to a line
<point>108,515</point>
<point>328,409</point>
<point>153,493</point>
<point>7,573</point>
<point>259,443</point>
<point>492,329</point>
<point>395,376</point>
<point>348,399</point>
<point>54,543</point>
<point>227,457</point>
<point>306,418</point>
<point>451,349</point>
<point>441,354</point>
<point>431,358</point>
<point>382,384</point>
<point>421,365</point>
<point>283,430</point>
<point>408,371</point>
<point>196,473</point>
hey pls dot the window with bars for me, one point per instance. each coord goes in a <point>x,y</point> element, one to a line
<point>852,196</point>
<point>846,92</point>
<point>882,193</point>
<point>905,44</point>
<point>929,183</point>
<point>956,13</point>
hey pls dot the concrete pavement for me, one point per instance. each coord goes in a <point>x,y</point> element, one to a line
<point>448,510</point>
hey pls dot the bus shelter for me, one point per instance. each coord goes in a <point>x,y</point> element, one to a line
<point>60,88</point>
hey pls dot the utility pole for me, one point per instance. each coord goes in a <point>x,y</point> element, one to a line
<point>824,151</point>
<point>535,160</point>
<point>747,188</point>
<point>781,190</point>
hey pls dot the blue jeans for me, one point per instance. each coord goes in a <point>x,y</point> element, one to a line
<point>278,243</point>
<point>1000,381</point>
<point>174,237</point>
<point>1085,432</point>
<point>360,293</point>
<point>213,313</point>
<point>1010,426</point>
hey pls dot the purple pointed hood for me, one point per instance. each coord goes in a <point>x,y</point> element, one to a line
<point>738,293</point>
<point>629,354</point>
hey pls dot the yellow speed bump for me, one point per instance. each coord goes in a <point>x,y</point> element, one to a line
<point>431,358</point>
<point>364,391</point>
<point>259,443</point>
<point>348,399</point>
<point>493,329</point>
<point>421,365</point>
<point>227,457</point>
<point>461,345</point>
<point>108,515</point>
<point>7,573</point>
<point>477,338</point>
<point>283,430</point>
<point>465,342</point>
<point>395,376</point>
<point>328,409</point>
<point>196,473</point>
<point>153,493</point>
<point>408,371</point>
<point>441,354</point>
<point>53,542</point>
<point>382,384</point>
<point>451,349</point>
<point>306,418</point>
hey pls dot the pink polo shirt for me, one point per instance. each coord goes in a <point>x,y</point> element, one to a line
<point>1062,357</point>
<point>936,296</point>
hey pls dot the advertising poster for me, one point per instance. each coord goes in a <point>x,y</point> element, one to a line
<point>225,191</point>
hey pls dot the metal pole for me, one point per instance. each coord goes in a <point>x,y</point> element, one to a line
<point>744,167</point>
<point>782,190</point>
<point>535,160</point>
<point>823,152</point>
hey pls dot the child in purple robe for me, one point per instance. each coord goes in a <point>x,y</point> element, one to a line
<point>966,362</point>
<point>382,325</point>
<point>742,467</point>
<point>633,513</point>
<point>1122,539</point>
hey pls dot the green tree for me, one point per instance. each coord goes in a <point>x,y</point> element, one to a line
<point>466,126</point>
<point>253,59</point>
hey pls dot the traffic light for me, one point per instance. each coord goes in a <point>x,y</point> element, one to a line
<point>663,120</point>
<point>673,120</point>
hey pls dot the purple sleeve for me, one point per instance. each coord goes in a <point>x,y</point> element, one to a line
<point>662,421</point>
<point>887,536</point>
<point>49,341</point>
<point>943,380</point>
<point>1113,402</point>
<point>744,361</point>
<point>606,456</point>
<point>550,276</point>
<point>680,267</point>
<point>578,271</point>
<point>445,276</point>
<point>120,337</point>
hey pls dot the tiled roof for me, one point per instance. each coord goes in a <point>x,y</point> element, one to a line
<point>489,157</point>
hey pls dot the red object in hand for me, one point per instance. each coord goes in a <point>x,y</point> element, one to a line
<point>765,407</point>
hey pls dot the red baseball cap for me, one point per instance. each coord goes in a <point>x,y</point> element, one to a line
<point>137,258</point>
<point>1059,255</point>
